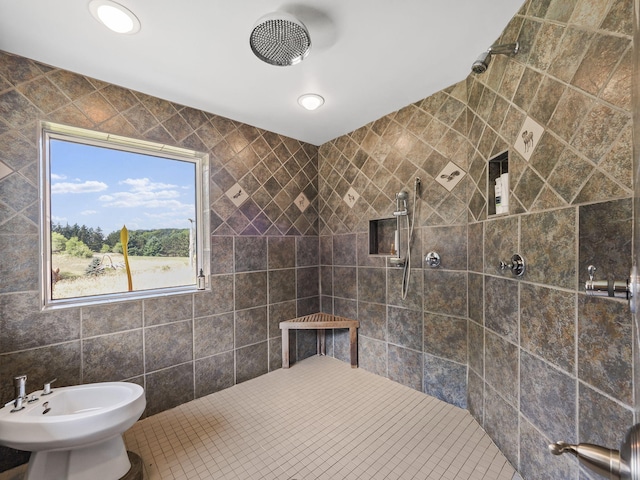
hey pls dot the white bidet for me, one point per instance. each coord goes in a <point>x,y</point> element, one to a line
<point>75,432</point>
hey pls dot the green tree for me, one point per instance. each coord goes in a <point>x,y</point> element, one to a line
<point>112,238</point>
<point>152,247</point>
<point>76,248</point>
<point>58,242</point>
<point>105,248</point>
<point>95,239</point>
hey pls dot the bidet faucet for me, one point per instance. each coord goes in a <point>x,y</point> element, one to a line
<point>20,386</point>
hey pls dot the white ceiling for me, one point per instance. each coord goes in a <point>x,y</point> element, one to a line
<point>368,57</point>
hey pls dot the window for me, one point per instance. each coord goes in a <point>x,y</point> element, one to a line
<point>121,218</point>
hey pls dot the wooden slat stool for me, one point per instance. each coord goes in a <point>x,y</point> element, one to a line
<point>320,322</point>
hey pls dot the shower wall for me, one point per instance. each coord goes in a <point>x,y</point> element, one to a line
<point>264,254</point>
<point>534,359</point>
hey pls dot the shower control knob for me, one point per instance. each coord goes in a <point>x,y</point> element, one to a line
<point>516,266</point>
<point>432,259</point>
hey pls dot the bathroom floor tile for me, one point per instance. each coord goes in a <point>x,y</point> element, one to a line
<point>319,420</point>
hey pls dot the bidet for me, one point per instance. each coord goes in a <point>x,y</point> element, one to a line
<point>75,433</point>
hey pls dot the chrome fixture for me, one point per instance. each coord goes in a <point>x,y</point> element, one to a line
<point>482,62</point>
<point>606,288</point>
<point>46,390</point>
<point>19,386</point>
<point>516,266</point>
<point>401,204</point>
<point>621,464</point>
<point>402,210</point>
<point>432,259</point>
<point>614,288</point>
<point>280,39</point>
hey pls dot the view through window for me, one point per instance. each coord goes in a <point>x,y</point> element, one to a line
<point>123,216</point>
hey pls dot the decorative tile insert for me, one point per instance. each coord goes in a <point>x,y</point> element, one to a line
<point>302,202</point>
<point>528,138</point>
<point>450,176</point>
<point>237,195</point>
<point>351,197</point>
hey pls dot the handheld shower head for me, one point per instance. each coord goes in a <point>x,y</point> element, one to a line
<point>482,62</point>
<point>401,203</point>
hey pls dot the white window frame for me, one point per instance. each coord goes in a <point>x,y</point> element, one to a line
<point>48,131</point>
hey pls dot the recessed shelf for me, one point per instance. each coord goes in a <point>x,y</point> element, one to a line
<point>498,166</point>
<point>382,236</point>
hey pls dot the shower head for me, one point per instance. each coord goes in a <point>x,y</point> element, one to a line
<point>280,39</point>
<point>403,195</point>
<point>482,62</point>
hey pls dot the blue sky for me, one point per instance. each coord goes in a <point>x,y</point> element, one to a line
<point>107,188</point>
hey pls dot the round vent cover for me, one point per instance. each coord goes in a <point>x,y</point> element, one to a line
<point>280,39</point>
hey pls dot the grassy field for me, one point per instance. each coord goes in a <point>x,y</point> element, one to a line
<point>146,272</point>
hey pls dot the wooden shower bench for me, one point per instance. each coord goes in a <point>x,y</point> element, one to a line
<point>320,322</point>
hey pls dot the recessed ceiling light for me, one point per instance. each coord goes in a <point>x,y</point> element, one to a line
<point>114,16</point>
<point>310,101</point>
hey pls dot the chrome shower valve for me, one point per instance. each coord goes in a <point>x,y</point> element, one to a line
<point>517,265</point>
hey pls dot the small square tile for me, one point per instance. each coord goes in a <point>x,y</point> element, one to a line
<point>302,202</point>
<point>237,195</point>
<point>351,197</point>
<point>450,176</point>
<point>528,138</point>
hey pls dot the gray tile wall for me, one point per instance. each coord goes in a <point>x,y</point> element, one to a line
<point>532,358</point>
<point>264,254</point>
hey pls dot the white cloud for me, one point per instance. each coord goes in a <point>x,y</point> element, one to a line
<point>145,185</point>
<point>88,212</point>
<point>88,186</point>
<point>146,194</point>
<point>163,199</point>
<point>55,176</point>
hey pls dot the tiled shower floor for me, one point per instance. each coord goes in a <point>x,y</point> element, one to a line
<point>320,419</point>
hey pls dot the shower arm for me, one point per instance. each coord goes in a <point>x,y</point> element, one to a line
<point>505,49</point>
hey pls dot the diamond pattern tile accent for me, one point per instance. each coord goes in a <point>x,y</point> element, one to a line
<point>351,197</point>
<point>450,176</point>
<point>302,202</point>
<point>237,195</point>
<point>385,157</point>
<point>528,138</point>
<point>271,170</point>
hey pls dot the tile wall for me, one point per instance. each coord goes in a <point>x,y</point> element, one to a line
<point>264,252</point>
<point>534,359</point>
